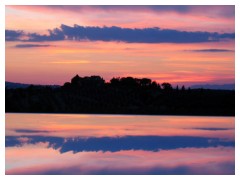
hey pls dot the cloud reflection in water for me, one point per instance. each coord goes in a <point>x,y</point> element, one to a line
<point>114,144</point>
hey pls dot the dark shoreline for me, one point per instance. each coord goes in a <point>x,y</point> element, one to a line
<point>127,96</point>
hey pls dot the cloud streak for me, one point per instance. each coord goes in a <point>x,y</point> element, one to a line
<point>211,50</point>
<point>118,34</point>
<point>30,131</point>
<point>214,129</point>
<point>31,45</point>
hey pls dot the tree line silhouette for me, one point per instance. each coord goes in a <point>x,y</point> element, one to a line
<point>125,95</point>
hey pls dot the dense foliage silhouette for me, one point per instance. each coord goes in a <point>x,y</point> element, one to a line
<point>126,95</point>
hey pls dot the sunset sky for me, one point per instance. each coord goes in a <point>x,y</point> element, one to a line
<point>177,44</point>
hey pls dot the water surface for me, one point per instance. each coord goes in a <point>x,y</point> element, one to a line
<point>119,144</point>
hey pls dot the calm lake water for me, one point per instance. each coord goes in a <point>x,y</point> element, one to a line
<point>119,144</point>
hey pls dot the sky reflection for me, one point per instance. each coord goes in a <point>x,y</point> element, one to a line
<point>109,144</point>
<point>83,125</point>
<point>212,160</point>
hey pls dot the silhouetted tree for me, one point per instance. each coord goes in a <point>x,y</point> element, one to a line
<point>67,85</point>
<point>128,81</point>
<point>183,88</point>
<point>76,81</point>
<point>93,81</point>
<point>145,82</point>
<point>154,85</point>
<point>167,86</point>
<point>115,81</point>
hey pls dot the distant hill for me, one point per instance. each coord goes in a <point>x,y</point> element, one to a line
<point>13,85</point>
<point>214,86</point>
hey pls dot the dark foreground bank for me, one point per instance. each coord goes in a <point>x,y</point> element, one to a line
<point>120,96</point>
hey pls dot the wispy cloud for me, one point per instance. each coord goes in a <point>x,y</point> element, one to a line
<point>70,62</point>
<point>30,131</point>
<point>31,45</point>
<point>211,50</point>
<point>213,129</point>
<point>86,62</point>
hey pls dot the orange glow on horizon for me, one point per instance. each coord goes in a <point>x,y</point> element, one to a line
<point>172,63</point>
